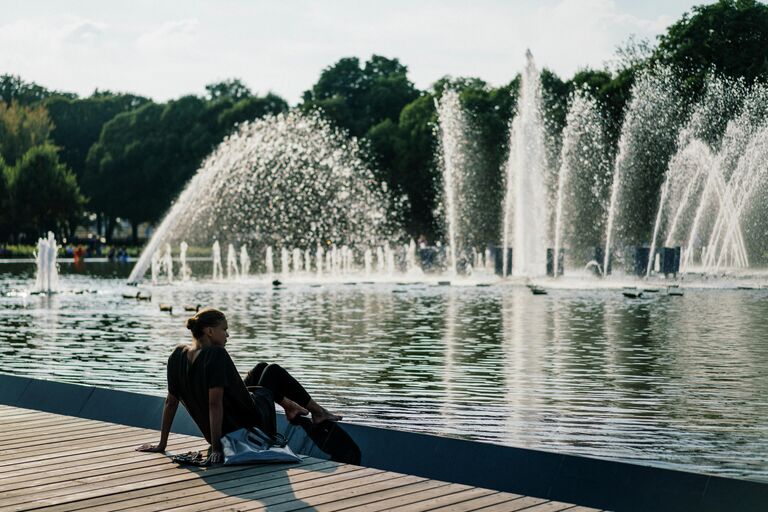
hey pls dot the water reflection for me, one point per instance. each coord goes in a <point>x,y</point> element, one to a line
<point>674,380</point>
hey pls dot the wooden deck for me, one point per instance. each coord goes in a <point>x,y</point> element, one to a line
<point>55,462</point>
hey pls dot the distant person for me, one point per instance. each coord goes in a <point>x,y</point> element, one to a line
<point>79,253</point>
<point>122,255</point>
<point>111,254</point>
<point>202,376</point>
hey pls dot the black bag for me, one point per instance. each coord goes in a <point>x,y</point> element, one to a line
<point>265,409</point>
<point>326,440</point>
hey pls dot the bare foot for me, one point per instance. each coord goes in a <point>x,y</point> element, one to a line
<point>324,415</point>
<point>292,409</point>
<point>321,414</point>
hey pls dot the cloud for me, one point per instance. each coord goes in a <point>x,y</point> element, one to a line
<point>170,35</point>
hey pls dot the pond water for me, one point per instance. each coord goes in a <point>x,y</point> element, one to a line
<point>680,382</point>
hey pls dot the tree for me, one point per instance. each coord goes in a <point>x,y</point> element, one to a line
<point>357,98</point>
<point>13,88</point>
<point>730,35</point>
<point>21,128</point>
<point>251,108</point>
<point>78,122</point>
<point>232,88</point>
<point>44,193</point>
<point>144,157</point>
<point>5,200</point>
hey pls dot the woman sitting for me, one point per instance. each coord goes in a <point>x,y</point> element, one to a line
<point>203,377</point>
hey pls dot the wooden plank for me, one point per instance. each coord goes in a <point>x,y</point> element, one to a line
<point>439,501</point>
<point>420,495</point>
<point>41,438</point>
<point>69,446</point>
<point>361,489</point>
<point>368,501</point>
<point>33,477</point>
<point>191,496</point>
<point>523,503</point>
<point>550,506</point>
<point>89,449</point>
<point>56,459</point>
<point>290,497</point>
<point>583,509</point>
<point>101,494</point>
<point>490,500</point>
<point>38,421</point>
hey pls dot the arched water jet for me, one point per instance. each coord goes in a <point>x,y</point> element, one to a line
<point>648,139</point>
<point>265,181</point>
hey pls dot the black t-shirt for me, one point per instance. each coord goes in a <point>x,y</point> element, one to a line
<point>190,382</point>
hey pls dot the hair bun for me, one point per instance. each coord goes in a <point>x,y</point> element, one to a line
<point>191,323</point>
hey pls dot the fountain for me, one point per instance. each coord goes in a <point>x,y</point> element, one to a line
<point>184,271</point>
<point>682,182</point>
<point>218,271</point>
<point>525,209</point>
<point>47,280</point>
<point>232,270</point>
<point>245,262</point>
<point>265,181</point>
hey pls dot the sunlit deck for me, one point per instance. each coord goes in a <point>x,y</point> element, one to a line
<point>54,462</point>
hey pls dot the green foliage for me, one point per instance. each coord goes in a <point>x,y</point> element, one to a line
<point>234,89</point>
<point>358,98</point>
<point>78,123</point>
<point>144,157</point>
<point>21,128</point>
<point>251,108</point>
<point>13,88</point>
<point>43,193</point>
<point>730,35</point>
<point>5,200</point>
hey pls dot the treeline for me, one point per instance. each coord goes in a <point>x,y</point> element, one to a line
<point>66,160</point>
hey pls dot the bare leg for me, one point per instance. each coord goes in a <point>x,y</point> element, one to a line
<point>320,413</point>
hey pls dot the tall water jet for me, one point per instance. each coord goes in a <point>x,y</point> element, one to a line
<point>583,182</point>
<point>218,270</point>
<point>232,270</point>
<point>453,125</point>
<point>525,203</point>
<point>47,279</point>
<point>291,178</point>
<point>269,261</point>
<point>245,262</point>
<point>319,255</point>
<point>167,263</point>
<point>648,139</point>
<point>285,262</point>
<point>184,271</point>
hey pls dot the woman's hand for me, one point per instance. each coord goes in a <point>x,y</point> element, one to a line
<point>216,457</point>
<point>153,448</point>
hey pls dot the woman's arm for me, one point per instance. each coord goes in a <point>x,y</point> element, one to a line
<point>216,417</point>
<point>169,412</point>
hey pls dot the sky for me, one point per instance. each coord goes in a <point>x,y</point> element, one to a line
<point>164,49</point>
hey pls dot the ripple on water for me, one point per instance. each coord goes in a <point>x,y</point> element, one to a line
<point>677,383</point>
